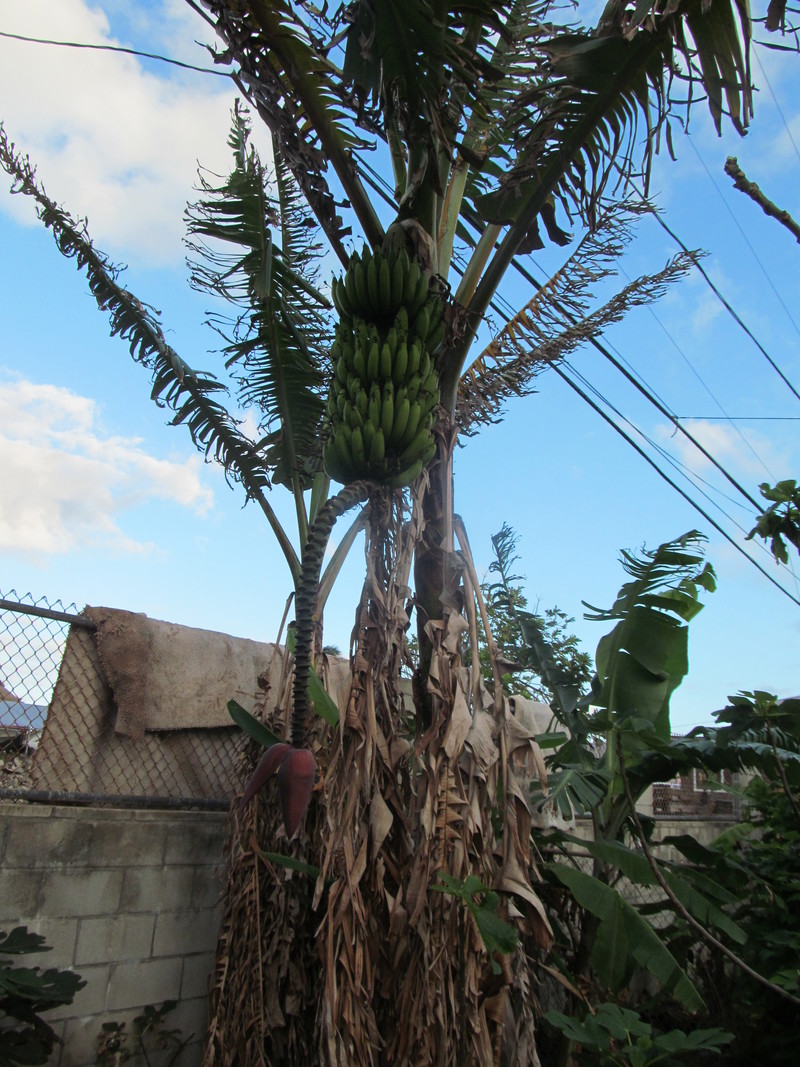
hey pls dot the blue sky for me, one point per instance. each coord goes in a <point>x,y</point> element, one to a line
<point>104,503</point>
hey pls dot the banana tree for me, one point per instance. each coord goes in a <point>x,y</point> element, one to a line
<point>451,135</point>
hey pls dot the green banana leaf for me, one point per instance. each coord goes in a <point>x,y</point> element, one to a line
<point>625,939</point>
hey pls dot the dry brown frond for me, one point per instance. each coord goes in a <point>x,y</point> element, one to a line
<point>556,320</point>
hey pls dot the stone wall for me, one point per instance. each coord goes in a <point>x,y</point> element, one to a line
<point>128,899</point>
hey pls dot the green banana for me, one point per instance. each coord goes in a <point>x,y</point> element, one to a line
<point>377,448</point>
<point>398,280</point>
<point>422,323</point>
<point>385,286</point>
<point>353,415</point>
<point>334,467</point>
<point>430,385</point>
<point>361,332</point>
<point>374,412</point>
<point>414,357</point>
<point>373,362</point>
<point>413,275</point>
<point>340,370</point>
<point>387,409</point>
<point>400,364</point>
<point>429,451</point>
<point>342,448</point>
<point>386,361</point>
<point>357,448</point>
<point>405,477</point>
<point>436,336</point>
<point>349,354</point>
<point>425,365</point>
<point>360,360</point>
<point>412,426</point>
<point>402,409</point>
<point>416,449</point>
<point>350,291</point>
<point>367,433</point>
<point>420,297</point>
<point>373,288</point>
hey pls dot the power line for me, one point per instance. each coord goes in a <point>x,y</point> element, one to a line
<point>777,105</point>
<point>377,182</point>
<point>700,379</point>
<point>117,48</point>
<point>728,307</point>
<point>604,351</point>
<point>573,385</point>
<point>741,418</point>
<point>746,239</point>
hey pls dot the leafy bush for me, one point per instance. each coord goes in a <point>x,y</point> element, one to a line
<point>25,1038</point>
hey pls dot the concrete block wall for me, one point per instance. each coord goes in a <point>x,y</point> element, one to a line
<point>127,899</point>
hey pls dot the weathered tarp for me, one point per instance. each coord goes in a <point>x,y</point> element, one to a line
<point>140,708</point>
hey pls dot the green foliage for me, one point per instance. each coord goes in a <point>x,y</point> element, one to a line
<point>116,1044</point>
<point>510,621</point>
<point>251,726</point>
<point>639,664</point>
<point>759,864</point>
<point>611,1035</point>
<point>482,903</point>
<point>624,940</point>
<point>250,242</point>
<point>25,1038</point>
<point>781,519</point>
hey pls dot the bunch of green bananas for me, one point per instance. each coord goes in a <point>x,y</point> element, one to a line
<point>385,390</point>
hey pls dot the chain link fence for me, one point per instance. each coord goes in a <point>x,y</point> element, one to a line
<point>59,736</point>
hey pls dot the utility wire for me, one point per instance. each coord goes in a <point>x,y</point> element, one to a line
<point>700,379</point>
<point>117,48</point>
<point>503,307</point>
<point>377,183</point>
<point>777,105</point>
<point>746,240</point>
<point>573,385</point>
<point>604,351</point>
<point>731,311</point>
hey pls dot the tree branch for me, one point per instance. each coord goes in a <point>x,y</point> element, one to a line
<point>744,185</point>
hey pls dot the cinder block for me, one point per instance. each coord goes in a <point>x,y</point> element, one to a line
<point>109,938</point>
<point>59,934</point>
<point>180,932</point>
<point>11,808</point>
<point>196,842</point>
<point>129,843</point>
<point>91,1000</point>
<point>5,822</point>
<point>157,889</point>
<point>21,893</point>
<point>197,970</point>
<point>80,1045</point>
<point>134,985</point>
<point>191,1018</point>
<point>80,1041</point>
<point>48,842</point>
<point>82,892</point>
<point>207,886</point>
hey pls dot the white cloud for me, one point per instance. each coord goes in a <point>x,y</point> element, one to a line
<point>112,140</point>
<point>741,449</point>
<point>64,483</point>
